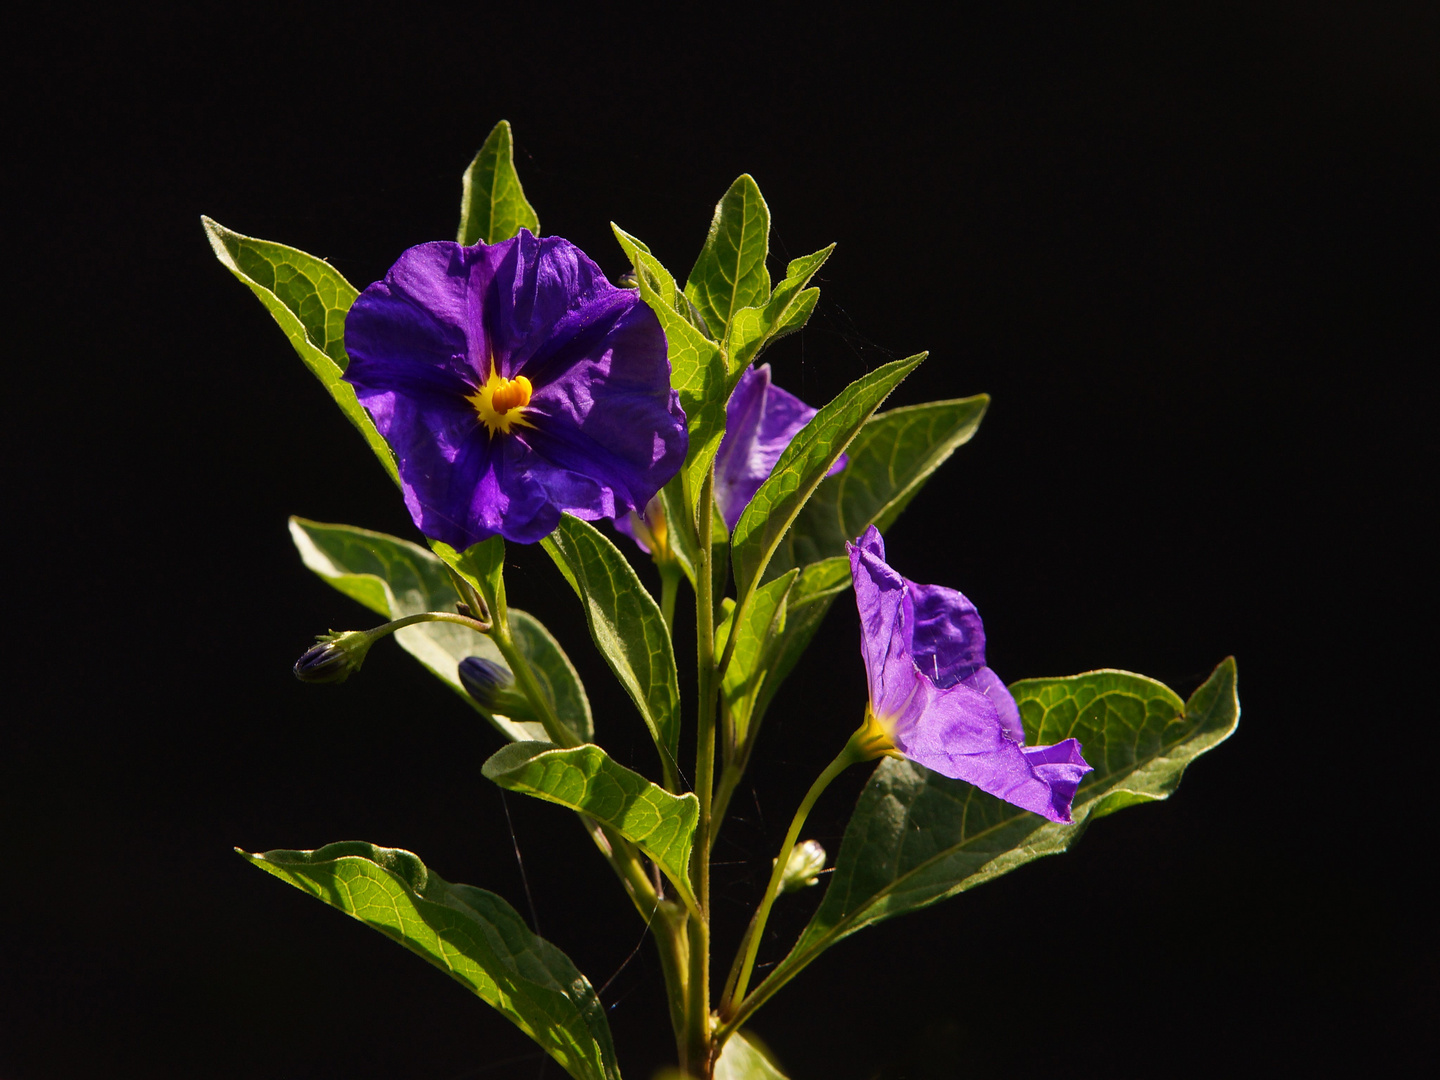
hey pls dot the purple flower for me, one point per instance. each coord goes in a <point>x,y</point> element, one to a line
<point>514,383</point>
<point>933,699</point>
<point>760,421</point>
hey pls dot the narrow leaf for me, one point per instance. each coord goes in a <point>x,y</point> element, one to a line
<point>588,780</point>
<point>626,626</point>
<point>786,311</point>
<point>697,367</point>
<point>492,202</point>
<point>890,460</point>
<point>309,299</point>
<point>730,273</point>
<point>803,465</point>
<point>472,935</point>
<point>917,837</point>
<point>761,624</point>
<point>394,577</point>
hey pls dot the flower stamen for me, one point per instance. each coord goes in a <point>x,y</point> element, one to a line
<point>502,403</point>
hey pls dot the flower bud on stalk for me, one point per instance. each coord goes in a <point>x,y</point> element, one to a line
<point>493,688</point>
<point>334,656</point>
<point>803,868</point>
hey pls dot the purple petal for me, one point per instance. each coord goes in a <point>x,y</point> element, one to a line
<point>949,638</point>
<point>958,733</point>
<point>761,420</point>
<point>986,682</point>
<point>880,596</point>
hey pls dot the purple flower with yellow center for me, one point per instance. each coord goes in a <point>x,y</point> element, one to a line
<point>514,384</point>
<point>933,699</point>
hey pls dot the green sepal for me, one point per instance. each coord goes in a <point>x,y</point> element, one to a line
<point>394,578</point>
<point>472,935</point>
<point>803,466</point>
<point>917,837</point>
<point>894,455</point>
<point>730,272</point>
<point>627,627</point>
<point>492,202</point>
<point>309,298</point>
<point>589,781</point>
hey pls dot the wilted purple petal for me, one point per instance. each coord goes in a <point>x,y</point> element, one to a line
<point>924,653</point>
<point>597,429</point>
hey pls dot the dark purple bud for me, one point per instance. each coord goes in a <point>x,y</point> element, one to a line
<point>333,657</point>
<point>493,688</point>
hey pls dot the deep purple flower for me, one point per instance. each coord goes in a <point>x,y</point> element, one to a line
<point>514,383</point>
<point>760,421</point>
<point>934,700</point>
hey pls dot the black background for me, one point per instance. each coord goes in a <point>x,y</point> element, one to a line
<point>1187,248</point>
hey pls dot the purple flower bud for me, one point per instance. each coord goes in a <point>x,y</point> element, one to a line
<point>493,688</point>
<point>333,657</point>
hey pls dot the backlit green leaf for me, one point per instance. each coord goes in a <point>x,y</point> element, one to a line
<point>803,465</point>
<point>730,273</point>
<point>588,780</point>
<point>917,837</point>
<point>786,311</point>
<point>760,626</point>
<point>394,577</point>
<point>472,935</point>
<point>492,202</point>
<point>742,1059</point>
<point>626,626</point>
<point>697,368</point>
<point>309,299</point>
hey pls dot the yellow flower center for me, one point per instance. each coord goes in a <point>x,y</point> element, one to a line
<point>875,737</point>
<point>502,403</point>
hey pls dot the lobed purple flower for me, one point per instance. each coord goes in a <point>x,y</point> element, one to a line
<point>514,383</point>
<point>934,699</point>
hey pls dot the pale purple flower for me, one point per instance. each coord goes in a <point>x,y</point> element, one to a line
<point>514,383</point>
<point>934,699</point>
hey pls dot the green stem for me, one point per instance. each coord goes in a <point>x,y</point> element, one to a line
<point>669,589</point>
<point>429,616</point>
<point>739,979</point>
<point>697,1029</point>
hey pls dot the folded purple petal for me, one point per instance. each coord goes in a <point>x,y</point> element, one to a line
<point>924,652</point>
<point>760,421</point>
<point>599,430</point>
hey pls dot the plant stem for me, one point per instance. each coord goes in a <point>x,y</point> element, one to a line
<point>696,1058</point>
<point>739,979</point>
<point>669,589</point>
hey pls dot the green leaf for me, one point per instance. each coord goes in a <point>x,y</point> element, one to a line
<point>626,626</point>
<point>492,203</point>
<point>589,781</point>
<point>730,273</point>
<point>890,460</point>
<point>472,935</point>
<point>917,837</point>
<point>760,625</point>
<point>697,366</point>
<point>393,578</point>
<point>786,311</point>
<point>803,465</point>
<point>804,610</point>
<point>309,299</point>
<point>483,566</point>
<point>742,1058</point>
